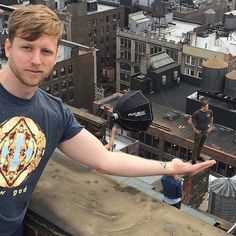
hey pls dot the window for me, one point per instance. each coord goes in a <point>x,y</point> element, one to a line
<point>63,71</point>
<point>126,42</point>
<point>64,97</point>
<point>107,28</point>
<point>167,147</point>
<point>70,69</point>
<point>149,139</point>
<point>94,32</point>
<point>54,74</point>
<point>183,154</point>
<point>107,39</point>
<point>63,85</point>
<point>102,30</point>
<point>157,49</point>
<point>155,142</point>
<point>175,150</point>
<point>137,57</point>
<point>230,171</point>
<point>192,61</point>
<point>189,72</point>
<point>187,59</point>
<point>199,74</point>
<point>141,152</point>
<point>151,50</point>
<point>55,88</point>
<point>200,61</point>
<point>70,83</point>
<point>221,168</point>
<point>107,18</point>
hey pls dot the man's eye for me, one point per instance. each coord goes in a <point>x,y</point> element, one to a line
<point>27,48</point>
<point>47,52</point>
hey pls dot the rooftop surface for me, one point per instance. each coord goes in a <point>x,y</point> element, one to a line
<point>83,202</point>
<point>173,101</point>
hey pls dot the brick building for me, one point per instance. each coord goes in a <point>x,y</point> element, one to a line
<point>94,24</point>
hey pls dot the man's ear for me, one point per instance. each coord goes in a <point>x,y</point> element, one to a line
<point>8,47</point>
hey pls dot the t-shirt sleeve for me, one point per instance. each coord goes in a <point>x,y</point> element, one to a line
<point>72,126</point>
<point>194,115</point>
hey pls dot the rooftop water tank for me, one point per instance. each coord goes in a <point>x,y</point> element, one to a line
<point>222,198</point>
<point>209,16</point>
<point>230,20</point>
<point>213,75</point>
<point>230,84</point>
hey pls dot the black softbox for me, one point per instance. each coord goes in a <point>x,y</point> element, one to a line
<point>133,112</point>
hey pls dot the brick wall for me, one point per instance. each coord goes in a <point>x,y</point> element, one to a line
<point>195,188</point>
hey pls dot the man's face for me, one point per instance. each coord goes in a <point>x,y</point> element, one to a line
<point>32,61</point>
<point>205,108</point>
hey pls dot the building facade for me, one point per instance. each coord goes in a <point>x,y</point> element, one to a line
<point>130,48</point>
<point>203,44</point>
<point>94,24</point>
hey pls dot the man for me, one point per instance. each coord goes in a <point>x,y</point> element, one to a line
<point>34,35</point>
<point>202,123</point>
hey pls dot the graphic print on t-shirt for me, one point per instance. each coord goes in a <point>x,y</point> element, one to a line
<point>22,145</point>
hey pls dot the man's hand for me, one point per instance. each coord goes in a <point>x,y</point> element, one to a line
<point>210,129</point>
<point>180,167</point>
<point>196,131</point>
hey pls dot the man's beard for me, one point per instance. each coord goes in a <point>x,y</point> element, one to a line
<point>28,82</point>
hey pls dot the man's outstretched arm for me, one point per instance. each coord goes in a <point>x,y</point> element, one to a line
<point>88,150</point>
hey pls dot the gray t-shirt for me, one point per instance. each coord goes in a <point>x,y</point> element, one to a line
<point>30,130</point>
<point>201,119</point>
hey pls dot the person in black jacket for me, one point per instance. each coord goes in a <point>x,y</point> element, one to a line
<point>172,190</point>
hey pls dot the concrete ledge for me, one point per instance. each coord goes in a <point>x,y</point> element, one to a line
<point>83,202</point>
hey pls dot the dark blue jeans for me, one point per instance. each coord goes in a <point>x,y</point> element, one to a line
<point>199,140</point>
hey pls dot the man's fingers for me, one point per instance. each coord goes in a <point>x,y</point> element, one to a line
<point>201,166</point>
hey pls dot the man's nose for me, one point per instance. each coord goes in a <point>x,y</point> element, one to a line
<point>36,58</point>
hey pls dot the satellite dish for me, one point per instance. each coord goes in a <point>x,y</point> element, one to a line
<point>133,112</point>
